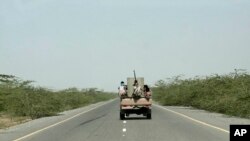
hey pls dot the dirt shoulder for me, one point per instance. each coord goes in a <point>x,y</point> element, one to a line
<point>8,121</point>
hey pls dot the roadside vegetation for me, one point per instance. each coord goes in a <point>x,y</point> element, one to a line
<point>20,100</point>
<point>228,94</point>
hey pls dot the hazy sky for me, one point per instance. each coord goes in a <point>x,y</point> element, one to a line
<point>98,43</point>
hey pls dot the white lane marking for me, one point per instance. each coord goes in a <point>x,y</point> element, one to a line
<point>38,131</point>
<point>124,130</point>
<point>195,120</point>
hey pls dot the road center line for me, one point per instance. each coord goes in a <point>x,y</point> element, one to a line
<point>38,131</point>
<point>195,120</point>
<point>124,130</point>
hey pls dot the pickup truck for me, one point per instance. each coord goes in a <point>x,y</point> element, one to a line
<point>131,103</point>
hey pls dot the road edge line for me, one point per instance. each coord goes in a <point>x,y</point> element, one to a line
<point>60,122</point>
<point>195,120</point>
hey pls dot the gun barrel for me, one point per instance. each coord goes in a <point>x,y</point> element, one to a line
<point>134,75</point>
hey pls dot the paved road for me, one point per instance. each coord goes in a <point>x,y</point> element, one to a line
<point>103,124</point>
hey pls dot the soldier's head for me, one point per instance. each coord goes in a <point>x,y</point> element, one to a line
<point>122,83</point>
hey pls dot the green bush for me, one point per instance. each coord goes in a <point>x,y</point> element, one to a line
<point>228,94</point>
<point>20,98</point>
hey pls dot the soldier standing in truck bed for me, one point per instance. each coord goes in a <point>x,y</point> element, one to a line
<point>137,89</point>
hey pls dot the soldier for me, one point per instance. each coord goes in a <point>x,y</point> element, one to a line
<point>147,92</point>
<point>137,89</point>
<point>122,89</point>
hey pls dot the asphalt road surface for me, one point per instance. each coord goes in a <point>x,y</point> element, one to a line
<point>101,123</point>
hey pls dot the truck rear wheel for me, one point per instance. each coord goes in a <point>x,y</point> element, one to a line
<point>149,116</point>
<point>122,116</point>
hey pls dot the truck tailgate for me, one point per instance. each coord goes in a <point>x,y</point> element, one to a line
<point>136,102</point>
